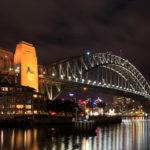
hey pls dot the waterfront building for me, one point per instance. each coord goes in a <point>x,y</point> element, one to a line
<point>6,60</point>
<point>123,104</point>
<point>19,82</point>
<point>16,100</point>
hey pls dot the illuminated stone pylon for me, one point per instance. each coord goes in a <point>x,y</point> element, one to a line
<point>25,62</point>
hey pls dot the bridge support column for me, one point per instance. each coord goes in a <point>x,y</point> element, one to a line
<point>53,90</point>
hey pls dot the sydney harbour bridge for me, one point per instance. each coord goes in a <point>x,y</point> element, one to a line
<point>104,72</point>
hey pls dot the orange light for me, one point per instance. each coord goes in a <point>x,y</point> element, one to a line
<point>85,88</point>
<point>87,110</point>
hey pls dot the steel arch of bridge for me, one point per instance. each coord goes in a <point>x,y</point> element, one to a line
<point>73,70</point>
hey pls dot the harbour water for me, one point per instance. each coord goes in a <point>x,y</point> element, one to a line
<point>131,134</point>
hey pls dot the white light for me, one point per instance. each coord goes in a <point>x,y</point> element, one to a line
<point>89,81</point>
<point>83,80</point>
<point>69,77</point>
<point>53,74</point>
<point>77,79</point>
<point>17,69</point>
<point>111,112</point>
<point>61,76</point>
<point>44,72</point>
<point>10,69</point>
<point>94,82</point>
<point>88,53</point>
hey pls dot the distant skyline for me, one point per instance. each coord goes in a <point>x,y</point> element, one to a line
<point>60,29</point>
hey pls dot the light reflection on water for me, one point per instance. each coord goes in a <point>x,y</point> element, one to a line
<point>131,134</point>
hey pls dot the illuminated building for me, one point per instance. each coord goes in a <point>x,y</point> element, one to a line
<point>121,100</point>
<point>123,104</point>
<point>25,62</point>
<point>21,100</point>
<point>6,60</point>
<point>19,82</point>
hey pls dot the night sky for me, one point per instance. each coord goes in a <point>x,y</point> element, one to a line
<point>63,28</point>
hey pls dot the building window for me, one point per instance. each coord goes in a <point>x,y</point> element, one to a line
<point>28,106</point>
<point>28,112</point>
<point>20,106</point>
<point>35,111</point>
<point>4,88</point>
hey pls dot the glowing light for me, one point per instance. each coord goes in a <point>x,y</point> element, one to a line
<point>62,99</point>
<point>10,69</point>
<point>89,81</point>
<point>61,76</point>
<point>69,77</point>
<point>94,82</point>
<point>53,74</point>
<point>99,83</point>
<point>94,103</point>
<point>88,53</point>
<point>111,112</point>
<point>87,110</point>
<point>71,94</point>
<point>76,79</point>
<point>35,111</point>
<point>20,106</point>
<point>53,113</point>
<point>85,88</point>
<point>83,80</point>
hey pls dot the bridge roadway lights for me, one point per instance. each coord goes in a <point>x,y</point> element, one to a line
<point>77,70</point>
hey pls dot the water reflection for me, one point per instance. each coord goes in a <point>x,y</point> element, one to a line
<point>131,134</point>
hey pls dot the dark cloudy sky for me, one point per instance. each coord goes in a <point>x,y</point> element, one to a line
<point>62,28</point>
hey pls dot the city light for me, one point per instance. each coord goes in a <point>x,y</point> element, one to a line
<point>53,74</point>
<point>76,79</point>
<point>111,112</point>
<point>69,77</point>
<point>94,82</point>
<point>71,94</point>
<point>89,81</point>
<point>85,89</point>
<point>61,76</point>
<point>83,80</point>
<point>88,53</point>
